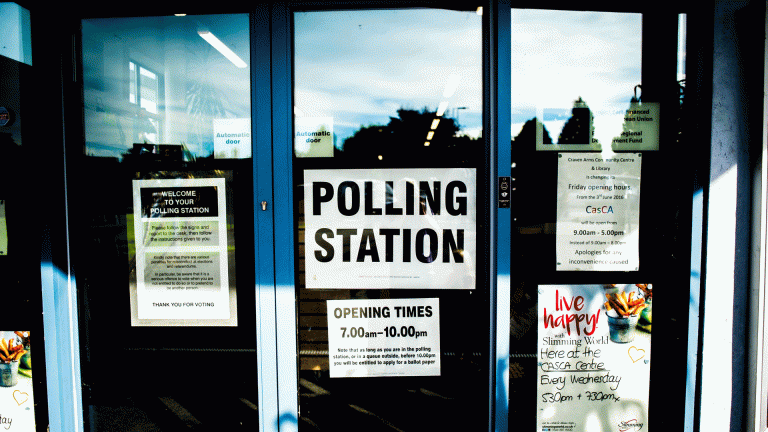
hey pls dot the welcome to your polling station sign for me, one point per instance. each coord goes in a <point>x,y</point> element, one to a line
<point>182,257</point>
<point>389,229</point>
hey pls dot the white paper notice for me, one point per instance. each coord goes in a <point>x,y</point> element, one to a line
<point>598,211</point>
<point>393,337</point>
<point>181,249</point>
<point>3,230</point>
<point>640,130</point>
<point>390,228</point>
<point>593,367</point>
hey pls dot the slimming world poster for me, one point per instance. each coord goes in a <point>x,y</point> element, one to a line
<point>594,357</point>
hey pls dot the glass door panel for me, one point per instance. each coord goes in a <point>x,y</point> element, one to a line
<point>390,220</point>
<point>24,212</point>
<point>163,204</point>
<point>591,160</point>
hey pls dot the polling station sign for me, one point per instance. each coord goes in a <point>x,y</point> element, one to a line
<point>390,228</point>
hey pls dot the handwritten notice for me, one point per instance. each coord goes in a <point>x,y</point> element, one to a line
<point>598,212</point>
<point>593,360</point>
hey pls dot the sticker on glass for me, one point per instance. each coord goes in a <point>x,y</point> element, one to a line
<point>313,137</point>
<point>232,138</point>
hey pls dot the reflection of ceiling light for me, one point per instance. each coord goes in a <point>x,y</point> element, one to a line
<point>223,49</point>
<point>435,122</point>
<point>441,108</point>
<point>430,134</point>
<point>381,157</point>
<point>179,14</point>
<point>426,143</point>
<point>480,10</point>
<point>451,85</point>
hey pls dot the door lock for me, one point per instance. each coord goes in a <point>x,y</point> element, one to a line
<point>263,206</point>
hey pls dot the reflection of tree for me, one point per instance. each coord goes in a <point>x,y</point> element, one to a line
<point>204,103</point>
<point>530,184</point>
<point>404,138</point>
<point>578,129</point>
<point>527,135</point>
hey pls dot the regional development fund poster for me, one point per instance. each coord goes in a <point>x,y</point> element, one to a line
<point>594,358</point>
<point>182,270</point>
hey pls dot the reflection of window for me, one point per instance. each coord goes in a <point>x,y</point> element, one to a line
<point>144,91</point>
<point>140,85</point>
<point>145,84</point>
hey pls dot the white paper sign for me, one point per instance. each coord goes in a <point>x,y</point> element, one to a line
<point>598,211</point>
<point>232,138</point>
<point>181,249</point>
<point>640,130</point>
<point>393,337</point>
<point>390,228</point>
<point>593,367</point>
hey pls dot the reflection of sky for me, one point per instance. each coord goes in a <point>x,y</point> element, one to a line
<point>558,56</point>
<point>360,67</point>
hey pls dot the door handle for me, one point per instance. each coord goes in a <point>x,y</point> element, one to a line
<point>263,206</point>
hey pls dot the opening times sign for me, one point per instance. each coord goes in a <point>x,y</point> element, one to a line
<point>394,228</point>
<point>181,249</point>
<point>392,337</point>
<point>598,211</point>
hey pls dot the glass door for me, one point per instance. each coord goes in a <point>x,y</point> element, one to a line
<point>599,232</point>
<point>161,201</point>
<point>390,222</point>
